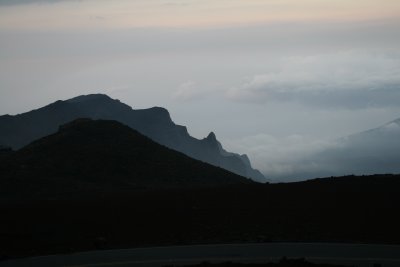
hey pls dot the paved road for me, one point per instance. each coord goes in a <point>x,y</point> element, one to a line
<point>351,254</point>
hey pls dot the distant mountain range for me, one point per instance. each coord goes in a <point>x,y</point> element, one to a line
<point>369,152</point>
<point>365,153</point>
<point>102,156</point>
<point>155,123</point>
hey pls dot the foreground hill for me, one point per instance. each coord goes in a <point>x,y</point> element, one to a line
<point>101,156</point>
<point>155,123</point>
<point>336,210</point>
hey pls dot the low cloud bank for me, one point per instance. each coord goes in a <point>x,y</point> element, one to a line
<point>295,158</point>
<point>351,80</point>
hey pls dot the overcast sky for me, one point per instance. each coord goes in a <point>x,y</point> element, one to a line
<point>272,78</point>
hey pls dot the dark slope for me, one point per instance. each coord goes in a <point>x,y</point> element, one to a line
<point>99,156</point>
<point>336,210</point>
<point>19,130</point>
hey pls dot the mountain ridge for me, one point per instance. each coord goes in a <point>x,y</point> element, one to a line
<point>155,123</point>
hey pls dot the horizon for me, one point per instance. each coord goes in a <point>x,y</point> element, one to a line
<point>278,81</point>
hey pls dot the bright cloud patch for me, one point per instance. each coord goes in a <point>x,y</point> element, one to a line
<point>347,79</point>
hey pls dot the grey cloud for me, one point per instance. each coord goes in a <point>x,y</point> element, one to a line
<point>267,41</point>
<point>370,152</point>
<point>297,158</point>
<point>188,91</point>
<point>346,80</point>
<point>281,158</point>
<point>388,95</point>
<point>175,3</point>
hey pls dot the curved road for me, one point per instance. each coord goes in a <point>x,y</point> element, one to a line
<point>350,254</point>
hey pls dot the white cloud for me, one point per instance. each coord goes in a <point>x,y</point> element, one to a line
<point>282,157</point>
<point>187,91</point>
<point>297,157</point>
<point>345,79</point>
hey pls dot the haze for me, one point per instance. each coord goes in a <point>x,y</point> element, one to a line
<point>275,79</point>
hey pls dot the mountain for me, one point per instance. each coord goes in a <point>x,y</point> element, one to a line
<point>373,151</point>
<point>99,156</point>
<point>156,123</point>
<point>365,153</point>
<point>5,151</point>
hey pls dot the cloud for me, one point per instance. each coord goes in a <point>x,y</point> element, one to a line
<point>188,91</point>
<point>297,157</point>
<point>350,80</point>
<point>282,158</point>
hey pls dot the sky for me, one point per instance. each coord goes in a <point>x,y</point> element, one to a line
<point>275,79</point>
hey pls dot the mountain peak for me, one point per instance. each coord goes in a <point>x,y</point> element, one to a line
<point>160,110</point>
<point>393,125</point>
<point>211,137</point>
<point>99,103</point>
<point>90,97</point>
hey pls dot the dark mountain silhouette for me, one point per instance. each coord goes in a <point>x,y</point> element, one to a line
<point>4,152</point>
<point>102,156</point>
<point>19,130</point>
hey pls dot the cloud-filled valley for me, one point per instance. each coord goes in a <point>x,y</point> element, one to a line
<point>296,157</point>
